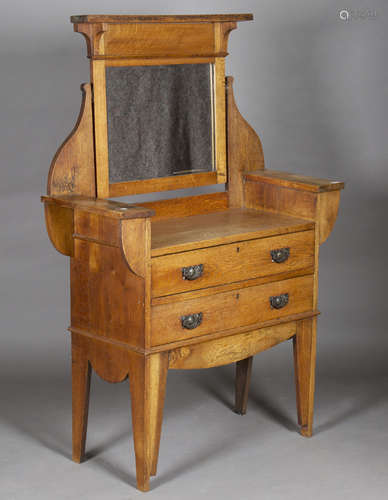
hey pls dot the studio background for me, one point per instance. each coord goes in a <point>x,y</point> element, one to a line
<point>315,88</point>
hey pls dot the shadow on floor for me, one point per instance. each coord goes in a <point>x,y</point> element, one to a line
<point>39,409</point>
<point>343,402</point>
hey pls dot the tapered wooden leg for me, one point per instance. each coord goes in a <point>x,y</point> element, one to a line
<point>147,378</point>
<point>81,371</point>
<point>304,344</point>
<point>243,379</point>
<point>157,391</point>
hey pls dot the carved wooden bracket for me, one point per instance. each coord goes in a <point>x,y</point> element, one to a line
<point>245,151</point>
<point>93,34</point>
<point>72,170</point>
<point>221,32</point>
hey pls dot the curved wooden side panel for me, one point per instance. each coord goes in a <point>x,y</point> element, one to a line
<point>136,245</point>
<point>60,227</point>
<point>230,349</point>
<point>109,361</point>
<point>328,204</point>
<point>245,152</point>
<point>136,251</point>
<point>72,170</point>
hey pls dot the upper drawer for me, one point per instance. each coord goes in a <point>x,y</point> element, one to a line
<point>230,263</point>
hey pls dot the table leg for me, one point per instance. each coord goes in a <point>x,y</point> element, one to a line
<point>304,343</point>
<point>243,378</point>
<point>147,378</point>
<point>81,371</point>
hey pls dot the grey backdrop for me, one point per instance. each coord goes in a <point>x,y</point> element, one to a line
<point>315,87</point>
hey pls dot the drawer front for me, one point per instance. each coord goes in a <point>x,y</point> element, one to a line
<point>230,263</point>
<point>223,311</point>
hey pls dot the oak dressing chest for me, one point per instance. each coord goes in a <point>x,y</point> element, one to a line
<point>185,282</point>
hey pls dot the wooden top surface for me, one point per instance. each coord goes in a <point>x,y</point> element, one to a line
<point>232,225</point>
<point>213,18</point>
<point>294,181</point>
<point>109,208</point>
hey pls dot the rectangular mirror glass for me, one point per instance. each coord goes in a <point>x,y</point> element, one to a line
<point>160,121</point>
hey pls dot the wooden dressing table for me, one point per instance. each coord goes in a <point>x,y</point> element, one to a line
<point>153,285</point>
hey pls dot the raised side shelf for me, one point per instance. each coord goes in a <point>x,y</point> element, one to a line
<point>294,181</point>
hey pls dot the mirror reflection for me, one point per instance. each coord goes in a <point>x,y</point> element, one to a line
<point>160,121</point>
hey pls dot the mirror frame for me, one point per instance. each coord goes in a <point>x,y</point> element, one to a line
<point>145,43</point>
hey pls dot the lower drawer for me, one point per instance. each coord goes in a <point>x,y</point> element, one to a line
<point>223,311</point>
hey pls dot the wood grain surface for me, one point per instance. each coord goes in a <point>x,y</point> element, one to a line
<point>199,231</point>
<point>72,169</point>
<point>245,151</point>
<point>223,311</point>
<point>230,263</point>
<point>225,350</point>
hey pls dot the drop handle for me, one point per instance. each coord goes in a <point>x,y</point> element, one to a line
<point>279,301</point>
<point>280,255</point>
<point>192,272</point>
<point>191,321</point>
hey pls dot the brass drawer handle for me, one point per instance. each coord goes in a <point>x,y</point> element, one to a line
<point>191,321</point>
<point>192,272</point>
<point>279,301</point>
<point>280,255</point>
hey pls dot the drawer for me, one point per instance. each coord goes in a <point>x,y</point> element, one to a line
<point>230,263</point>
<point>223,311</point>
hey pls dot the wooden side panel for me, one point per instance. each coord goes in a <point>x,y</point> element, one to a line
<point>136,249</point>
<point>245,152</point>
<point>279,199</point>
<point>135,243</point>
<point>72,170</point>
<point>109,361</point>
<point>59,224</point>
<point>107,299</point>
<point>328,210</point>
<point>97,227</point>
<point>226,350</point>
<point>322,207</point>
